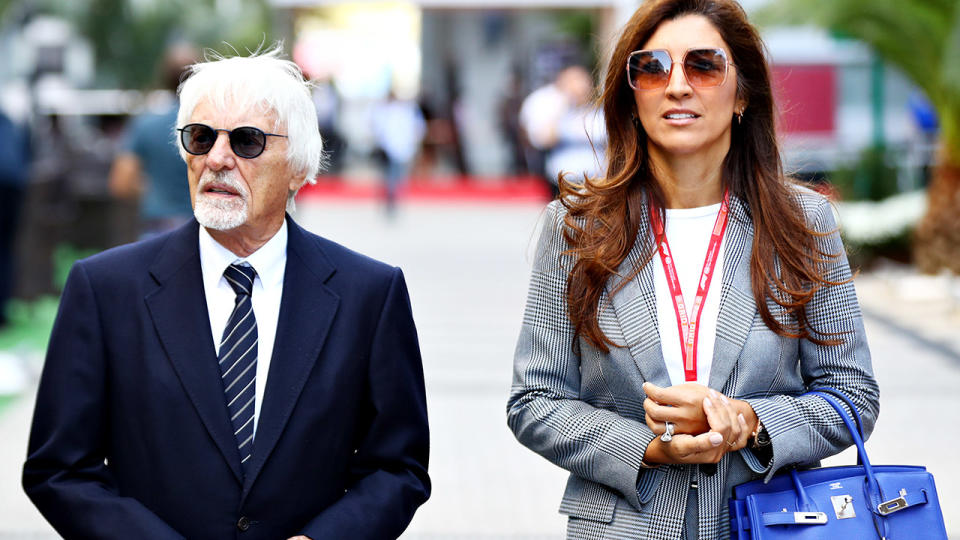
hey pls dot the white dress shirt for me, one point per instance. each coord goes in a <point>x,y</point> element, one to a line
<point>688,232</point>
<point>269,261</point>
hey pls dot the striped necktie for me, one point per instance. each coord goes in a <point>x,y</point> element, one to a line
<point>238,359</point>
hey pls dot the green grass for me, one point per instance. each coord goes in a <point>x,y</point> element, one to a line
<point>28,331</point>
<point>29,325</point>
<point>30,321</point>
<point>5,401</point>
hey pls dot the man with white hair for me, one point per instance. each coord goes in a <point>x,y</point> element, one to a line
<point>237,377</point>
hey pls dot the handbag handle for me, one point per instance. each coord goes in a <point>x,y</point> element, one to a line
<point>848,401</point>
<point>853,411</point>
<point>872,485</point>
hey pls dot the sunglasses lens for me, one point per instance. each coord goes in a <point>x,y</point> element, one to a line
<point>705,67</point>
<point>649,69</point>
<point>247,142</point>
<point>197,138</point>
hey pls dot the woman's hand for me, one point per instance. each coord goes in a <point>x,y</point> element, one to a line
<point>728,431</point>
<point>681,405</point>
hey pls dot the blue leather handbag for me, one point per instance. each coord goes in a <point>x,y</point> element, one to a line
<point>863,501</point>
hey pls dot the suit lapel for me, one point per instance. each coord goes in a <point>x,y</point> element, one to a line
<point>737,306</point>
<point>179,312</point>
<point>635,307</point>
<point>307,310</point>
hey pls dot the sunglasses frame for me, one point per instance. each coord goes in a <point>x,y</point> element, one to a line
<point>183,133</point>
<point>682,62</point>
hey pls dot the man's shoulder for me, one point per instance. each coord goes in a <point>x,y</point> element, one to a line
<point>344,259</point>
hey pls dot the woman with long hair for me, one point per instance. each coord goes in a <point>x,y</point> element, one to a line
<point>682,304</point>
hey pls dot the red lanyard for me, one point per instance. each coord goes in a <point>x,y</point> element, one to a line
<point>689,330</point>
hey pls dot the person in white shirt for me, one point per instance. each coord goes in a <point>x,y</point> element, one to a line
<point>560,120</point>
<point>684,302</point>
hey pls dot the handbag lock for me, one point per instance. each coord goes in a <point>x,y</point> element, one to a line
<point>891,506</point>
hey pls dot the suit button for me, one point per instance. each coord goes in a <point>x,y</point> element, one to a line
<point>243,524</point>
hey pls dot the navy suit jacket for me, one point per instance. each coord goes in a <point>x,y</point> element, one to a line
<point>131,436</point>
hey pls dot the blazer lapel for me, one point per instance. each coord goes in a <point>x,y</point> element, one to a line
<point>737,306</point>
<point>635,307</point>
<point>307,310</point>
<point>179,312</point>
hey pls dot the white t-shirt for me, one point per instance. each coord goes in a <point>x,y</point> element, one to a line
<point>688,232</point>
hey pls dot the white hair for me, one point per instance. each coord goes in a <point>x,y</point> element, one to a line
<point>262,80</point>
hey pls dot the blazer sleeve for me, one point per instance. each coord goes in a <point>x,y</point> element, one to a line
<point>544,410</point>
<point>804,429</point>
<point>389,468</point>
<point>65,474</point>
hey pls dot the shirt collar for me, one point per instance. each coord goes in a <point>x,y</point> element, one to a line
<point>269,261</point>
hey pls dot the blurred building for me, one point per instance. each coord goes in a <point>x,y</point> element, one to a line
<point>464,58</point>
<point>458,57</point>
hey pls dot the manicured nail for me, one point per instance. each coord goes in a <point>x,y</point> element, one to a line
<point>713,393</point>
<point>707,402</point>
<point>743,421</point>
<point>716,439</point>
<point>724,399</point>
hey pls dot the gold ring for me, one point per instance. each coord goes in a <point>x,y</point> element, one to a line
<point>731,444</point>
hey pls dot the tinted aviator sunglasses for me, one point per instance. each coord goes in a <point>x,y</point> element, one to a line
<point>703,68</point>
<point>247,142</point>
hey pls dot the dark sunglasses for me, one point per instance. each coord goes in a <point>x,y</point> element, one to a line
<point>703,68</point>
<point>247,142</point>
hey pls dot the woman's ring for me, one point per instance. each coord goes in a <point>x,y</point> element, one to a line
<point>668,434</point>
<point>732,444</point>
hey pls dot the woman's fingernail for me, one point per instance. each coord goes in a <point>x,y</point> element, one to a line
<point>716,439</point>
<point>724,399</point>
<point>707,402</point>
<point>713,393</point>
<point>742,419</point>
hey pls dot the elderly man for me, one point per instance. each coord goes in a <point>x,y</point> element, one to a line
<point>238,377</point>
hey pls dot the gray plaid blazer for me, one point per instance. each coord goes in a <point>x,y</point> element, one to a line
<point>582,408</point>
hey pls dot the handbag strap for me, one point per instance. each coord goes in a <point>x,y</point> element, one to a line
<point>849,402</point>
<point>853,411</point>
<point>872,484</point>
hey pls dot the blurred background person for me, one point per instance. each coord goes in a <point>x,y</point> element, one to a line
<point>560,121</point>
<point>398,129</point>
<point>327,102</point>
<point>14,173</point>
<point>511,129</point>
<point>579,137</point>
<point>148,167</point>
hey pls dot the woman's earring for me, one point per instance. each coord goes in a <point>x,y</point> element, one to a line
<point>739,117</point>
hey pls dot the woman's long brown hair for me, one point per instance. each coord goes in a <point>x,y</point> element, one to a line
<point>604,214</point>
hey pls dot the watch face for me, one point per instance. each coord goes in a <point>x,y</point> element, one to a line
<point>763,438</point>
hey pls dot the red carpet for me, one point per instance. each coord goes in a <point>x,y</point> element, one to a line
<point>460,189</point>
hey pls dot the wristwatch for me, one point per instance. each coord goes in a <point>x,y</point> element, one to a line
<point>760,437</point>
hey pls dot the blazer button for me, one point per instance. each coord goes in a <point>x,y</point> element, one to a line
<point>243,524</point>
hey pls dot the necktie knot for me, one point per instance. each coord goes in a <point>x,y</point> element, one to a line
<point>240,278</point>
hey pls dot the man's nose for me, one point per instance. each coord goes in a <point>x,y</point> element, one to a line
<point>221,156</point>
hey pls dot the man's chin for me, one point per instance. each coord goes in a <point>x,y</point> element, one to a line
<point>219,219</point>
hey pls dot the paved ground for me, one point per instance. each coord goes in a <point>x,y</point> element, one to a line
<point>467,269</point>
